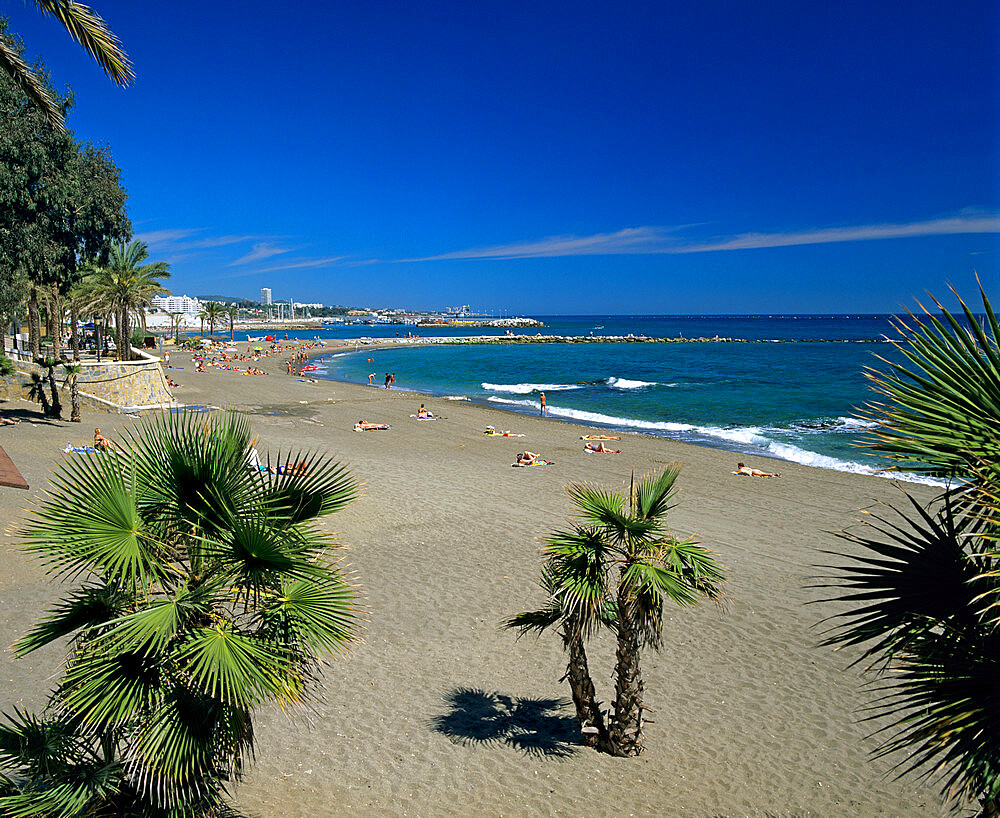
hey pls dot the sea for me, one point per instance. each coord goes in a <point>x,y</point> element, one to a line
<point>797,392</point>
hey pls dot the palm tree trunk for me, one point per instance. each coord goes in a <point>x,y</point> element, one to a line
<point>74,336</point>
<point>991,808</point>
<point>56,403</point>
<point>125,347</point>
<point>55,321</point>
<point>74,393</point>
<point>625,732</point>
<point>34,325</point>
<point>588,709</point>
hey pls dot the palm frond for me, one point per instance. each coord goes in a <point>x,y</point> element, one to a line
<point>90,31</point>
<point>28,82</point>
<point>917,580</point>
<point>654,492</point>
<point>84,610</point>
<point>323,615</point>
<point>98,531</point>
<point>236,668</point>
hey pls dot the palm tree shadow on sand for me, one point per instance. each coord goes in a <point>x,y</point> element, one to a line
<point>536,727</point>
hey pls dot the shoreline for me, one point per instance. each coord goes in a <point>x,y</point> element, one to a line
<point>630,427</point>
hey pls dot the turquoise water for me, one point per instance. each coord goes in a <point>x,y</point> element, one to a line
<point>796,400</point>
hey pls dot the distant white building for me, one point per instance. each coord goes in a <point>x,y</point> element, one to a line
<point>175,303</point>
<point>300,306</point>
<point>265,296</point>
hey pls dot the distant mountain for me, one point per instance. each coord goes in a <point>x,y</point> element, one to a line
<point>229,299</point>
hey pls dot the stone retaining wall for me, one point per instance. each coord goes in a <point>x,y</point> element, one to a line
<point>104,387</point>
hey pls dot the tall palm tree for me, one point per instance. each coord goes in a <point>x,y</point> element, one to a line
<point>924,591</point>
<point>125,286</point>
<point>175,325</point>
<point>620,564</point>
<point>85,26</point>
<point>210,591</point>
<point>203,317</point>
<point>214,311</point>
<point>233,314</point>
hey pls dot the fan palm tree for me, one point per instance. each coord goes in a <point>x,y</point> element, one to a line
<point>125,286</point>
<point>208,591</point>
<point>85,26</point>
<point>620,564</point>
<point>233,314</point>
<point>925,589</point>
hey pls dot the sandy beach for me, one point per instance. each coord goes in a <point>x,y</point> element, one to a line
<point>438,711</point>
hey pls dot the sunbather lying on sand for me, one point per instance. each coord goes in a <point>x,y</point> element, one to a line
<point>290,468</point>
<point>600,448</point>
<point>365,426</point>
<point>8,422</point>
<point>746,470</point>
<point>529,459</point>
<point>101,443</point>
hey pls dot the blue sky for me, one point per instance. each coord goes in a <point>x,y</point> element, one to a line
<point>554,157</point>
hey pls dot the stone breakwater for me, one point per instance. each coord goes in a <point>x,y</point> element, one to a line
<point>614,339</point>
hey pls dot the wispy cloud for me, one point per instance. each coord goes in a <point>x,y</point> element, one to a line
<point>290,264</point>
<point>631,240</point>
<point>260,251</point>
<point>157,238</point>
<point>956,225</point>
<point>668,240</point>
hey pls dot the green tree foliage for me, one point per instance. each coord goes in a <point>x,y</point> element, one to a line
<point>60,203</point>
<point>616,568</point>
<point>125,285</point>
<point>214,312</point>
<point>925,586</point>
<point>85,26</point>
<point>205,590</point>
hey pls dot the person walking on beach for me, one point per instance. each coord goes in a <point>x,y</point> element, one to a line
<point>544,410</point>
<point>289,362</point>
<point>388,380</point>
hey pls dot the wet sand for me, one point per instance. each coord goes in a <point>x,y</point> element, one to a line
<point>440,712</point>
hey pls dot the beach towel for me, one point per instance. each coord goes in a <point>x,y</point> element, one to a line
<point>79,449</point>
<point>426,417</point>
<point>371,427</point>
<point>502,434</point>
<point>536,463</point>
<point>600,437</point>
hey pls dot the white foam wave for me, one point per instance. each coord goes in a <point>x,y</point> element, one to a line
<point>744,435</point>
<point>528,388</point>
<point>625,383</point>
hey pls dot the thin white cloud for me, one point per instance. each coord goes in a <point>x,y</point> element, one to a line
<point>872,232</point>
<point>260,251</point>
<point>291,264</point>
<point>628,241</point>
<point>662,240</point>
<point>157,238</point>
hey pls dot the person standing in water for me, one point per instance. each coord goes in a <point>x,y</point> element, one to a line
<point>544,410</point>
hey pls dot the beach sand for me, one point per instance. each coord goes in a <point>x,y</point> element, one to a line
<point>438,711</point>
